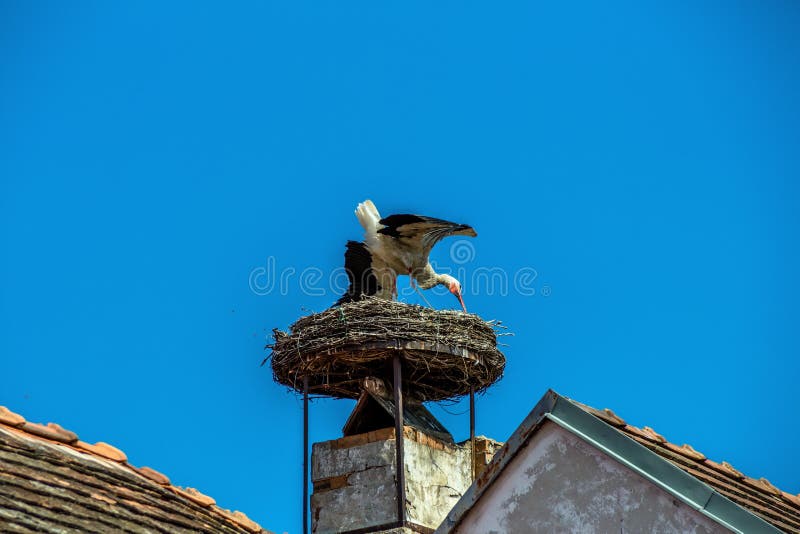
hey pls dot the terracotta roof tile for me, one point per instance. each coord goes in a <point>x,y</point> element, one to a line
<point>645,433</point>
<point>655,436</point>
<point>605,414</point>
<point>687,450</point>
<point>612,418</point>
<point>725,468</point>
<point>50,461</point>
<point>630,429</point>
<point>794,499</point>
<point>51,431</point>
<point>194,496</point>
<point>7,417</point>
<point>777,507</point>
<point>103,449</point>
<point>763,484</point>
<point>732,470</point>
<point>244,521</point>
<point>155,476</point>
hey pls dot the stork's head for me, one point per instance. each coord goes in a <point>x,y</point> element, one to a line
<point>455,288</point>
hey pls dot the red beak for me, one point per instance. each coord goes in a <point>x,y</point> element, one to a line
<point>461,300</point>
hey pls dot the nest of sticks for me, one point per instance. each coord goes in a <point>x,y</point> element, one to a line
<point>444,352</point>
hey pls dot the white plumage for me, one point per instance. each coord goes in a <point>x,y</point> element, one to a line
<point>398,244</point>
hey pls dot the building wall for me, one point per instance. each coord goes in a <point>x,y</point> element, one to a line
<point>437,475</point>
<point>560,483</point>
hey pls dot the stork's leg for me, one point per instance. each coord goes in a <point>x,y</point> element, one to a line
<point>411,279</point>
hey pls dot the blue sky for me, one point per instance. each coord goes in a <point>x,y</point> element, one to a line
<point>642,159</point>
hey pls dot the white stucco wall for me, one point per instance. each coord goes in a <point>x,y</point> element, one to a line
<point>559,483</point>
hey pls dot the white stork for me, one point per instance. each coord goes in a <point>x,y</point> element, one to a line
<point>397,244</point>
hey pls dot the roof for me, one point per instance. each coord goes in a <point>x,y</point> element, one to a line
<point>741,503</point>
<point>51,481</point>
<point>375,410</point>
<point>779,508</point>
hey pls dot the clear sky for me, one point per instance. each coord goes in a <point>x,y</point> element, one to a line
<point>157,158</point>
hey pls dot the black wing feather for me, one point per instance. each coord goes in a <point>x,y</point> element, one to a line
<point>393,222</point>
<point>358,265</point>
<point>428,230</point>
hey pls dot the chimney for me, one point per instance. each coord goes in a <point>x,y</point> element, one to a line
<point>355,476</point>
<point>396,469</point>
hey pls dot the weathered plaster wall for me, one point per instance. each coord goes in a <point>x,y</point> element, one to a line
<point>436,478</point>
<point>353,486</point>
<point>354,480</point>
<point>560,483</point>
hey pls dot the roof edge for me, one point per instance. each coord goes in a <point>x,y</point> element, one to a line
<point>656,469</point>
<point>565,413</point>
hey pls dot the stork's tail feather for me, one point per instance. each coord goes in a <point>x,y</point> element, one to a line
<point>368,216</point>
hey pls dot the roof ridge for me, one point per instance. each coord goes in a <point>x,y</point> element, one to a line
<point>57,435</point>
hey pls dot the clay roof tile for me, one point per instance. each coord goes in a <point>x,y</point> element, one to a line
<point>195,496</point>
<point>636,431</point>
<point>243,521</point>
<point>686,450</point>
<point>610,417</point>
<point>763,484</point>
<point>155,476</point>
<point>794,499</point>
<point>654,436</point>
<point>103,449</point>
<point>7,417</point>
<point>16,425</point>
<point>725,468</point>
<point>605,414</point>
<point>52,431</point>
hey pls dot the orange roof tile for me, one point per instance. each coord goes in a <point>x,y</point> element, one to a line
<point>654,436</point>
<point>154,475</point>
<point>777,507</point>
<point>50,431</point>
<point>7,417</point>
<point>57,480</point>
<point>103,449</point>
<point>686,450</point>
<point>194,496</point>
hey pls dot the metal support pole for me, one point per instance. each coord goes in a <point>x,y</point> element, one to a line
<point>398,432</point>
<point>472,428</point>
<point>305,455</point>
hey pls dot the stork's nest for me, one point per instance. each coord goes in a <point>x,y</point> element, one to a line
<point>444,353</point>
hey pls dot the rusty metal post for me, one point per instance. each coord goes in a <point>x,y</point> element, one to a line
<point>305,455</point>
<point>472,428</point>
<point>398,432</point>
